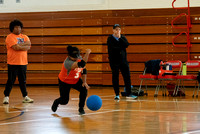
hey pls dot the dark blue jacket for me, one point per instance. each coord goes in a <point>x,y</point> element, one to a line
<point>117,49</point>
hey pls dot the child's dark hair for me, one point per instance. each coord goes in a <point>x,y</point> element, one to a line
<point>73,51</point>
<point>15,23</point>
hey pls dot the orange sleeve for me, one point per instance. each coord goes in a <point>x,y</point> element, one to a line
<point>10,41</point>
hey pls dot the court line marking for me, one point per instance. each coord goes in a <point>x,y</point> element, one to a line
<point>19,122</point>
<point>152,111</point>
<point>111,110</point>
<point>179,101</point>
<point>21,113</point>
<point>42,108</point>
<point>137,100</point>
<point>27,121</point>
<point>35,109</point>
<point>165,101</point>
<point>191,132</point>
<point>95,113</point>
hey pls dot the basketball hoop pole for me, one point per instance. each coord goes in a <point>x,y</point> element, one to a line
<point>189,45</point>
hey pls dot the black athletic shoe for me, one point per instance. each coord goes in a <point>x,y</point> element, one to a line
<point>54,106</point>
<point>81,111</point>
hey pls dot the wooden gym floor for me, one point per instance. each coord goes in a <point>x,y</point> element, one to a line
<point>146,115</point>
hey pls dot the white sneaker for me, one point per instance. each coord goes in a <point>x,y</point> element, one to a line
<point>27,100</point>
<point>131,97</point>
<point>6,100</point>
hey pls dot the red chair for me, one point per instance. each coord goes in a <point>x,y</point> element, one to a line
<point>190,77</point>
<point>151,72</point>
<point>168,75</point>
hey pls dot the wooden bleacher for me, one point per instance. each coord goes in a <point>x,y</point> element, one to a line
<point>148,31</point>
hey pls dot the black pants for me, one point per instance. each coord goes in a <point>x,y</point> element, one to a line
<point>124,68</point>
<point>13,72</point>
<point>64,89</point>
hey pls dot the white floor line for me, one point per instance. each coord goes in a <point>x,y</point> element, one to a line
<point>150,111</point>
<point>18,122</point>
<point>192,132</point>
<point>95,113</point>
<point>27,121</point>
<point>165,101</point>
<point>36,109</point>
<point>154,111</point>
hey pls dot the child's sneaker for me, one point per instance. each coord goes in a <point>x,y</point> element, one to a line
<point>54,106</point>
<point>117,97</point>
<point>81,111</point>
<point>131,97</point>
<point>27,100</point>
<point>6,100</point>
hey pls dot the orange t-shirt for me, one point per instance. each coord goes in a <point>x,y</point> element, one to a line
<point>16,57</point>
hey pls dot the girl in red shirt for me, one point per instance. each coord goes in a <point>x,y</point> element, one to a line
<point>70,77</point>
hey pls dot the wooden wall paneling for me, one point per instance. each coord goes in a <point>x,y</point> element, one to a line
<point>146,57</point>
<point>157,38</point>
<point>151,48</point>
<point>72,22</point>
<point>82,14</point>
<point>55,15</point>
<point>56,23</point>
<point>44,66</point>
<point>153,29</point>
<point>51,78</point>
<point>59,58</point>
<point>151,20</point>
<point>126,21</point>
<point>134,67</point>
<point>194,10</point>
<point>107,79</point>
<point>26,16</point>
<point>148,31</point>
<point>57,67</point>
<point>3,49</point>
<point>138,30</point>
<point>163,12</point>
<point>3,58</point>
<point>91,67</point>
<point>96,14</point>
<point>103,39</point>
<point>158,29</point>
<point>139,68</point>
<point>98,22</point>
<point>93,79</point>
<point>145,39</point>
<point>157,48</point>
<point>62,23</point>
<point>195,20</point>
<point>67,40</point>
<point>62,48</point>
<point>63,31</point>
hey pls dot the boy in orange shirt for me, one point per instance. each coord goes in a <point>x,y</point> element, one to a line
<point>17,46</point>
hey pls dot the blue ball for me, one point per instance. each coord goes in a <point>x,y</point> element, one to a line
<point>94,102</point>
